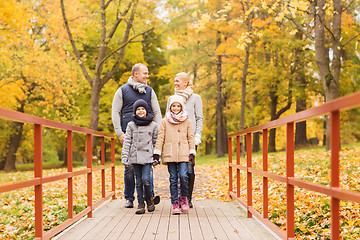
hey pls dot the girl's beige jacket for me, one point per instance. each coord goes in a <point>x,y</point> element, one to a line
<point>175,142</point>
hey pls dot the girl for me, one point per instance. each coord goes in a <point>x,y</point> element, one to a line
<point>177,146</point>
<point>193,105</point>
<point>139,142</point>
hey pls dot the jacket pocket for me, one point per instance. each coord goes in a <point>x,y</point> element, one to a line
<point>167,150</point>
<point>184,149</point>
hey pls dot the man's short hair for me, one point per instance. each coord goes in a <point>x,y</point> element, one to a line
<point>137,67</point>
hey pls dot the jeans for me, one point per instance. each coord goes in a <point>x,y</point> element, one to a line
<point>174,169</point>
<point>143,181</point>
<point>129,181</point>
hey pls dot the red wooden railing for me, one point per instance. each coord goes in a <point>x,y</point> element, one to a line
<point>333,109</point>
<point>39,180</point>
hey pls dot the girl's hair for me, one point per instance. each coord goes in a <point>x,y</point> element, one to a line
<point>185,77</point>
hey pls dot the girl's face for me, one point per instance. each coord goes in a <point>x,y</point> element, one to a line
<point>141,112</point>
<point>180,84</point>
<point>175,108</point>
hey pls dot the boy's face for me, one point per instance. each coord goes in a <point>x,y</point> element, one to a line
<point>141,112</point>
<point>175,108</point>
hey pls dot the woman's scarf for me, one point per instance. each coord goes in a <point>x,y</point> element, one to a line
<point>140,87</point>
<point>186,93</point>
<point>142,121</point>
<point>176,118</point>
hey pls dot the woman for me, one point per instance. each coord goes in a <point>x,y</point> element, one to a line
<point>193,105</point>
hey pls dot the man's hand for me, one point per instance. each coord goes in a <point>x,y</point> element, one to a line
<point>121,138</point>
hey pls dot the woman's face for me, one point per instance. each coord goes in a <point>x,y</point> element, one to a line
<point>141,112</point>
<point>180,84</point>
<point>175,108</point>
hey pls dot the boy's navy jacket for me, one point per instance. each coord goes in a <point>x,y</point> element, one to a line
<point>139,143</point>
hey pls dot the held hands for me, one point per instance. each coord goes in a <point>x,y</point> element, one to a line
<point>192,159</point>
<point>156,159</point>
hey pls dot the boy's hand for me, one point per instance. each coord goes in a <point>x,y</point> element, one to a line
<point>156,159</point>
<point>192,159</point>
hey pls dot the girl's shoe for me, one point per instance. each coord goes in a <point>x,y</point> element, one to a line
<point>176,209</point>
<point>141,208</point>
<point>184,204</point>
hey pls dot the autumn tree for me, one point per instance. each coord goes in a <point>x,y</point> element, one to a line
<point>116,28</point>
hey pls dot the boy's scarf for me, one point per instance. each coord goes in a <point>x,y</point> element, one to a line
<point>176,118</point>
<point>142,121</point>
<point>140,87</point>
<point>184,93</point>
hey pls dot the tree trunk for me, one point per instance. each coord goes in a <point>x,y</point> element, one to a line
<point>330,79</point>
<point>245,70</point>
<point>220,128</point>
<point>256,135</point>
<point>300,127</point>
<point>13,147</point>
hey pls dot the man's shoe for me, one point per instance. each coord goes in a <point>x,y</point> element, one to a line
<point>129,203</point>
<point>156,200</point>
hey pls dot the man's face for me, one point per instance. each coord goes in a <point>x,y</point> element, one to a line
<point>142,75</point>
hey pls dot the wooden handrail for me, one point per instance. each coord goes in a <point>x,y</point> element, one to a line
<point>332,108</point>
<point>39,180</point>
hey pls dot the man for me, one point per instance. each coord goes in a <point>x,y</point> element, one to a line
<point>122,110</point>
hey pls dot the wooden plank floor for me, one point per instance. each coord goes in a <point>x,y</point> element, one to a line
<point>209,219</point>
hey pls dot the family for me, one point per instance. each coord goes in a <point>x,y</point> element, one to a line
<point>147,139</point>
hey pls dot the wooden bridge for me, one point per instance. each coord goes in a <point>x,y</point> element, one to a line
<point>208,219</point>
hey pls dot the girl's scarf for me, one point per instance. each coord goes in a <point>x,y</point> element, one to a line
<point>142,121</point>
<point>186,93</point>
<point>140,87</point>
<point>176,118</point>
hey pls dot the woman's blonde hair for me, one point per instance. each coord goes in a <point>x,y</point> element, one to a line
<point>185,77</point>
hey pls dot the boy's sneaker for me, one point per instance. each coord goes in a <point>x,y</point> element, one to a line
<point>176,209</point>
<point>150,204</point>
<point>184,204</point>
<point>141,208</point>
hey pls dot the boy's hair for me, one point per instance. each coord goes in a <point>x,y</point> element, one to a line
<point>141,103</point>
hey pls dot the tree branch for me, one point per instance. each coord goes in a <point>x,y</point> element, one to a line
<point>124,44</point>
<point>298,26</point>
<point>354,37</point>
<point>107,4</point>
<point>76,51</point>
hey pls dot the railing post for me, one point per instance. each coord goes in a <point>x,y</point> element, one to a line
<point>237,169</point>
<point>70,169</point>
<point>249,174</point>
<point>290,222</point>
<point>89,175</point>
<point>38,188</point>
<point>103,164</point>
<point>113,167</point>
<point>230,161</point>
<point>265,179</point>
<point>335,172</point>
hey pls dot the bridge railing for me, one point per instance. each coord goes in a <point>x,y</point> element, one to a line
<point>39,180</point>
<point>333,109</point>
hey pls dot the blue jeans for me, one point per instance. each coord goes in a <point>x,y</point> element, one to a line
<point>129,182</point>
<point>174,169</point>
<point>143,178</point>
